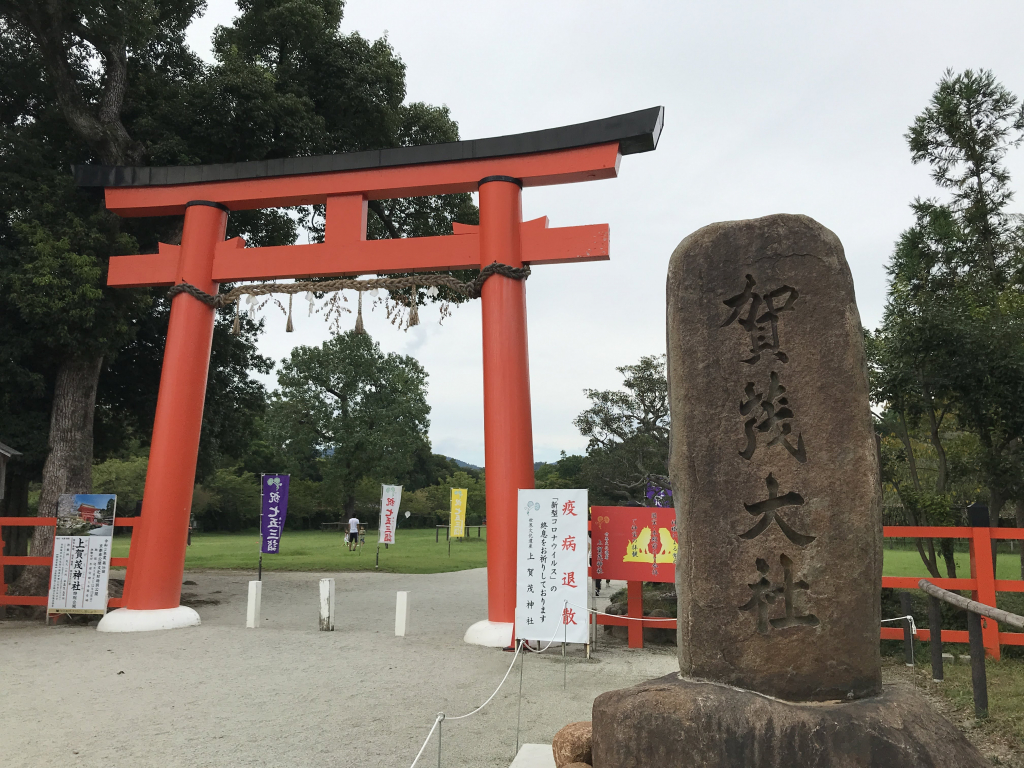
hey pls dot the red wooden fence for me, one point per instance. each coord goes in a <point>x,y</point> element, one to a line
<point>982,583</point>
<point>51,522</point>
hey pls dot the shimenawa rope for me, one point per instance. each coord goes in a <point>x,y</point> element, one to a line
<point>469,289</point>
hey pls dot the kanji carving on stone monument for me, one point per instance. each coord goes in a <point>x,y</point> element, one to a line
<point>764,328</point>
<point>773,463</point>
<point>776,419</point>
<point>768,510</point>
<point>766,593</point>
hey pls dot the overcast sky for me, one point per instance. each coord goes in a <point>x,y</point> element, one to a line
<point>770,107</point>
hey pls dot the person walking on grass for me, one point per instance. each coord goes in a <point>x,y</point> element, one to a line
<point>353,533</point>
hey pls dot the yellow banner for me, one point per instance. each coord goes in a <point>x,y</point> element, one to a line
<point>458,518</point>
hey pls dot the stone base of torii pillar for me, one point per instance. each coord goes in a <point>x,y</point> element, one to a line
<point>127,620</point>
<point>490,634</point>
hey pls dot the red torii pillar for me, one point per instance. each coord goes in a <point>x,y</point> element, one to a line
<point>498,168</point>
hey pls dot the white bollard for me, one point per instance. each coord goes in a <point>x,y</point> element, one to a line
<point>252,611</point>
<point>326,605</point>
<point>402,614</point>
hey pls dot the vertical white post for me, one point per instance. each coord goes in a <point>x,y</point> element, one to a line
<point>402,614</point>
<point>252,611</point>
<point>326,605</point>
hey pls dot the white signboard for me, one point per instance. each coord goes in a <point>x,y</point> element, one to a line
<point>81,561</point>
<point>390,498</point>
<point>551,569</point>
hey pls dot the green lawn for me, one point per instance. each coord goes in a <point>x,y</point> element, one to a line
<point>907,562</point>
<point>415,552</point>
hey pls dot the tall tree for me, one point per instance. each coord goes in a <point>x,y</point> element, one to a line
<point>628,431</point>
<point>297,85</point>
<point>363,411</point>
<point>952,339</point>
<point>69,94</point>
<point>114,83</point>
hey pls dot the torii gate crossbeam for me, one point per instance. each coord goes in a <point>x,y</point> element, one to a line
<point>499,168</point>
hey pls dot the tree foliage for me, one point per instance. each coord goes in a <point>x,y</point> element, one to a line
<point>363,411</point>
<point>628,430</point>
<point>94,81</point>
<point>949,355</point>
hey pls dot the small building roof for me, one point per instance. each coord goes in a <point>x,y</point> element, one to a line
<point>7,452</point>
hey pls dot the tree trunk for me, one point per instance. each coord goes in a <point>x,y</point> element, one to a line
<point>15,538</point>
<point>15,504</point>
<point>933,432</point>
<point>68,467</point>
<point>995,506</point>
<point>350,507</point>
<point>929,560</point>
<point>946,547</point>
<point>909,448</point>
<point>1020,527</point>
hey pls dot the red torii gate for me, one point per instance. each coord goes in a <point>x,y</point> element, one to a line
<point>498,167</point>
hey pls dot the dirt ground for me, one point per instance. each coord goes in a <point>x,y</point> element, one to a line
<point>287,694</point>
<point>1000,749</point>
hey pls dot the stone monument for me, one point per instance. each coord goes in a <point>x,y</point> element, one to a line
<point>776,485</point>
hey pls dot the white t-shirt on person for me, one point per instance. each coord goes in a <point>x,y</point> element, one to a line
<point>353,525</point>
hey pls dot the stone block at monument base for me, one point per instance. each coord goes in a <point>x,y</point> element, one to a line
<point>674,723</point>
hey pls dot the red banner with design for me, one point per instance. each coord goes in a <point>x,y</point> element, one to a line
<point>633,543</point>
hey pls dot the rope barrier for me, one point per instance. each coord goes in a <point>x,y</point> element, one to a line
<point>519,647</point>
<point>441,715</point>
<point>626,618</point>
<point>913,626</point>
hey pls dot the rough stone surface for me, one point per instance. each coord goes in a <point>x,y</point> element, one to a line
<point>616,609</point>
<point>572,744</point>
<point>675,723</point>
<point>655,635</point>
<point>773,463</point>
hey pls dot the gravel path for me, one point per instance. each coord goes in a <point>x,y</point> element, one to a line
<point>287,694</point>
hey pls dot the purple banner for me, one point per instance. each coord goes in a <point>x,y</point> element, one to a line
<point>275,509</point>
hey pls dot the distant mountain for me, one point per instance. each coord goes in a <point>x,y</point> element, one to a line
<point>464,464</point>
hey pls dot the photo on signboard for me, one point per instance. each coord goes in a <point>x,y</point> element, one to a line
<point>82,545</point>
<point>86,514</point>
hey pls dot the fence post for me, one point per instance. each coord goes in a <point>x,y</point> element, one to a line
<point>3,586</point>
<point>635,610</point>
<point>253,611</point>
<point>935,636</point>
<point>978,682</point>
<point>984,575</point>
<point>908,634</point>
<point>401,614</point>
<point>327,605</point>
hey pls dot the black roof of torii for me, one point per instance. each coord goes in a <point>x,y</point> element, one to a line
<point>635,132</point>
